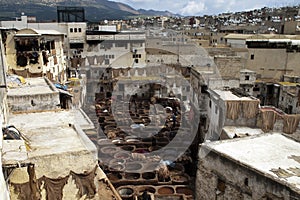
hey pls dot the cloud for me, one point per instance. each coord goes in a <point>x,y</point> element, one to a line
<point>201,7</point>
<point>193,8</point>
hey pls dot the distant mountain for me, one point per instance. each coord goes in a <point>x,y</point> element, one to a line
<point>157,13</point>
<point>95,10</point>
<point>118,5</point>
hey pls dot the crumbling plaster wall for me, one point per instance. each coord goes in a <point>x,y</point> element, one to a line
<point>55,57</point>
<point>288,96</point>
<point>216,173</point>
<point>33,102</point>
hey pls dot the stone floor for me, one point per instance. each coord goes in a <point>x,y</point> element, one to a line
<point>127,160</point>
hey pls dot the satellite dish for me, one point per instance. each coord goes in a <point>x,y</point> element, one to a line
<point>105,21</point>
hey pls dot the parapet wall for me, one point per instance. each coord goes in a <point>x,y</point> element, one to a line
<point>39,102</point>
<point>37,94</point>
<point>271,119</point>
<point>220,178</point>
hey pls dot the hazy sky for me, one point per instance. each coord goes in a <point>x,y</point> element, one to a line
<point>200,7</point>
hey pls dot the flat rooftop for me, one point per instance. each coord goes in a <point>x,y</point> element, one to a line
<point>14,152</point>
<point>272,155</point>
<point>247,71</point>
<point>262,37</point>
<point>241,131</point>
<point>33,86</point>
<point>288,84</point>
<point>229,96</point>
<point>54,137</point>
<point>47,119</point>
<point>51,118</point>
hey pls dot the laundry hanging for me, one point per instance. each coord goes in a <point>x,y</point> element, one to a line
<point>90,59</point>
<point>85,183</point>
<point>290,123</point>
<point>54,187</point>
<point>100,60</point>
<point>233,109</point>
<point>116,73</point>
<point>29,190</point>
<point>268,120</point>
<point>250,108</point>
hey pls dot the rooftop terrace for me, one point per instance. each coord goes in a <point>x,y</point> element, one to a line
<point>272,155</point>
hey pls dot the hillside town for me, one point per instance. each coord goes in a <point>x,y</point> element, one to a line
<point>151,108</point>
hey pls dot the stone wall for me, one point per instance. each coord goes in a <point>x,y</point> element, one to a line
<point>214,51</point>
<point>114,54</point>
<point>3,187</point>
<point>37,102</point>
<point>187,54</point>
<point>273,63</point>
<point>229,66</point>
<point>288,99</point>
<point>221,178</point>
<point>3,119</point>
<point>221,83</point>
<point>134,80</point>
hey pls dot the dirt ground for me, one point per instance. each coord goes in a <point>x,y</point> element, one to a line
<point>105,192</point>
